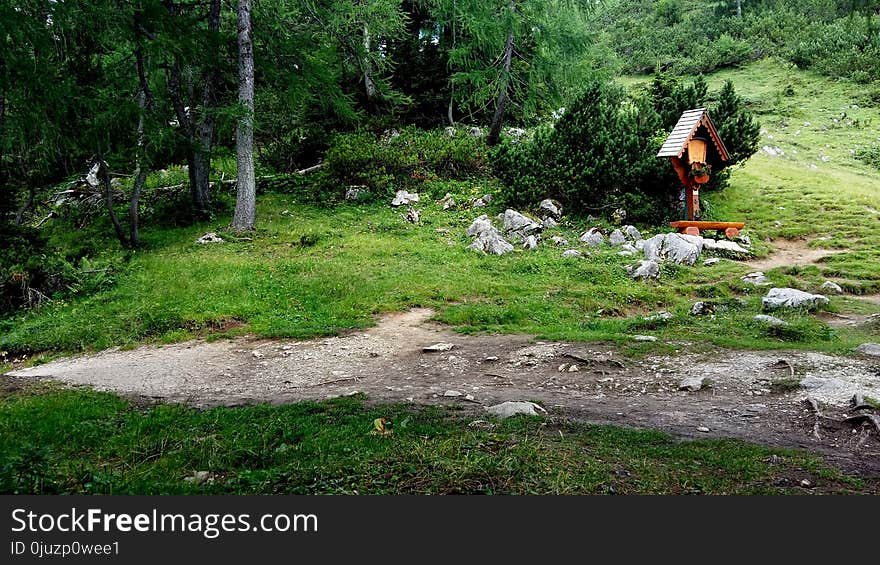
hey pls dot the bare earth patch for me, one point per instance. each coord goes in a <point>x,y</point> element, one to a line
<point>750,395</point>
<point>792,252</point>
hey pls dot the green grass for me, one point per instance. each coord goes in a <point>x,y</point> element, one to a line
<point>313,271</point>
<point>76,441</point>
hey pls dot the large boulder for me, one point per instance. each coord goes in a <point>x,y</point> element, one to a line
<point>592,237</point>
<point>616,238</point>
<point>792,298</point>
<point>726,248</point>
<point>632,232</point>
<point>479,225</point>
<point>644,270</point>
<point>491,242</point>
<point>519,225</point>
<point>872,349</point>
<point>674,247</point>
<point>404,198</point>
<point>549,208</point>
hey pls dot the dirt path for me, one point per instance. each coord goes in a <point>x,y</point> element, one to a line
<point>792,252</point>
<point>752,395</point>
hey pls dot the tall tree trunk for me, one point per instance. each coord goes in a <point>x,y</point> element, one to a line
<point>739,9</point>
<point>145,103</point>
<point>501,102</point>
<point>245,205</point>
<point>104,174</point>
<point>369,84</point>
<point>198,128</point>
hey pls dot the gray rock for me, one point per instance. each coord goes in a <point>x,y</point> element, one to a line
<point>674,247</point>
<point>452,394</point>
<point>402,198</point>
<point>210,237</point>
<point>627,253</point>
<point>647,338</point>
<point>508,409</point>
<point>355,192</point>
<point>691,384</point>
<point>756,279</point>
<point>616,238</point>
<point>569,253</point>
<point>450,131</point>
<point>593,237</point>
<point>830,287</point>
<point>516,132</point>
<point>872,349</point>
<point>559,241</point>
<point>519,225</point>
<point>475,132</point>
<point>632,233</point>
<point>792,298</point>
<point>639,244</point>
<point>412,215</point>
<point>644,270</point>
<point>438,347</point>
<point>770,320</point>
<point>549,208</point>
<point>549,223</point>
<point>482,201</point>
<point>531,242</point>
<point>726,248</point>
<point>478,226</point>
<point>711,261</point>
<point>447,201</point>
<point>491,241</point>
<point>661,316</point>
<point>200,477</point>
<point>702,309</point>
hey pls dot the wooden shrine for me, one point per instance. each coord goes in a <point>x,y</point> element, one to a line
<point>695,148</point>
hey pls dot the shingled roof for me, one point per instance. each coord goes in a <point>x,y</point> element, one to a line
<point>688,125</point>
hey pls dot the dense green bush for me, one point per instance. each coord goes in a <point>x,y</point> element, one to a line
<point>601,153</point>
<point>839,38</point>
<point>401,159</point>
<point>870,156</point>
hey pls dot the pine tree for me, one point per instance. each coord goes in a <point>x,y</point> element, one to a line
<point>736,125</point>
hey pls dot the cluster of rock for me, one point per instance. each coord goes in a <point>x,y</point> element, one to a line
<point>515,227</point>
<point>682,249</point>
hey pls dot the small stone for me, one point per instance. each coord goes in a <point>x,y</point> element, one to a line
<point>438,347</point>
<point>257,354</point>
<point>830,287</point>
<point>616,238</point>
<point>469,397</point>
<point>199,477</point>
<point>806,484</point>
<point>703,429</point>
<point>756,279</point>
<point>441,230</point>
<point>569,253</point>
<point>770,320</point>
<point>562,368</point>
<point>711,261</point>
<point>661,316</point>
<point>452,394</point>
<point>412,215</point>
<point>702,309</point>
<point>559,241</point>
<point>692,384</point>
<point>644,338</point>
<point>209,237</point>
<point>549,223</point>
<point>508,409</point>
<point>573,369</point>
<point>531,242</point>
<point>491,359</point>
<point>447,201</point>
<point>355,192</point>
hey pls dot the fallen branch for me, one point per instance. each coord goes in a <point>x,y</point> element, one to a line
<point>858,419</point>
<point>311,169</point>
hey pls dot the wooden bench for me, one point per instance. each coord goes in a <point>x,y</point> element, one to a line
<point>692,227</point>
